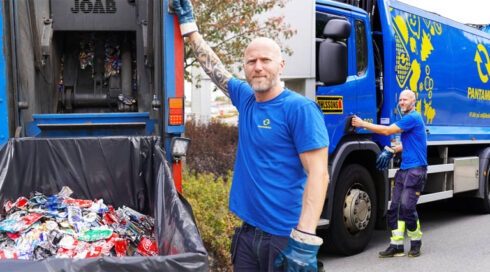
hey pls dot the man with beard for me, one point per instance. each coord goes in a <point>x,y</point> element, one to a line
<point>281,173</point>
<point>409,180</point>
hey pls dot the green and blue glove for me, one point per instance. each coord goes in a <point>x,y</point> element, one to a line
<point>183,9</point>
<point>384,157</point>
<point>300,254</point>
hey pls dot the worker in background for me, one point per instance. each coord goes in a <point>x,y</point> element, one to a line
<point>409,179</point>
<point>281,177</point>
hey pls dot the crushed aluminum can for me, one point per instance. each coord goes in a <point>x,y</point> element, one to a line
<point>95,235</point>
<point>147,247</point>
<point>7,206</point>
<point>121,247</point>
<point>8,253</point>
<point>65,192</point>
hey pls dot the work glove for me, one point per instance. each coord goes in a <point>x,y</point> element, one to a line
<point>384,158</point>
<point>183,9</point>
<point>300,254</point>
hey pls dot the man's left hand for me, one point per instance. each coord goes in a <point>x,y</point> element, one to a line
<point>300,254</point>
<point>384,157</point>
<point>183,9</point>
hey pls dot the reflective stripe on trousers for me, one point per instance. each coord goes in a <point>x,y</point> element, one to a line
<point>415,235</point>
<point>398,234</point>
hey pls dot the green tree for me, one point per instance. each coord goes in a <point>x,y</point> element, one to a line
<point>229,25</point>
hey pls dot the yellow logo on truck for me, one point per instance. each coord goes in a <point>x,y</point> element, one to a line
<point>402,58</point>
<point>330,104</point>
<point>426,46</point>
<point>413,49</point>
<point>413,24</point>
<point>479,60</point>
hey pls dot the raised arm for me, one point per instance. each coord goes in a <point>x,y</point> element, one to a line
<point>210,63</point>
<point>204,54</point>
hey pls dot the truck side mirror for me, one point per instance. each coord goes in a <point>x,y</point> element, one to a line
<point>332,54</point>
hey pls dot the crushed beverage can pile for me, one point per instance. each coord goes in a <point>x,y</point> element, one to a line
<point>112,59</point>
<point>87,54</point>
<point>63,227</point>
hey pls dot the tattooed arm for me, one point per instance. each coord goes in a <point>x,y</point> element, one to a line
<point>210,63</point>
<point>204,54</point>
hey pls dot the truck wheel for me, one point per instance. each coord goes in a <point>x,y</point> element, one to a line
<point>354,211</point>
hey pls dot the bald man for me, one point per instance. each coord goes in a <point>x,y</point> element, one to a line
<point>281,169</point>
<point>409,179</point>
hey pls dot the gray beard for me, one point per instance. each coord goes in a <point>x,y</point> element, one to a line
<point>260,90</point>
<point>407,111</point>
<point>263,88</point>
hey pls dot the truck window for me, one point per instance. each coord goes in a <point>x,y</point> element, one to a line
<point>322,19</point>
<point>361,48</point>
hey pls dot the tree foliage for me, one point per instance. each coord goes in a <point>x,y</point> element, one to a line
<point>228,26</point>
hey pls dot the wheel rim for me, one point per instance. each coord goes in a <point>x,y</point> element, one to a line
<point>357,210</point>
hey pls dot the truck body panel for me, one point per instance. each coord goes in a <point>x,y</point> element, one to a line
<point>439,60</point>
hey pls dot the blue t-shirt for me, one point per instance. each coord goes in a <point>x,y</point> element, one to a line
<point>269,179</point>
<point>414,140</point>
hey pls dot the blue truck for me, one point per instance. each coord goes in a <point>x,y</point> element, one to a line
<point>366,54</point>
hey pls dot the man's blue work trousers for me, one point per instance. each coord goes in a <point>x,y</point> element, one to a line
<point>255,250</point>
<point>408,186</point>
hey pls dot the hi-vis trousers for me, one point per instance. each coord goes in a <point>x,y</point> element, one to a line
<point>409,184</point>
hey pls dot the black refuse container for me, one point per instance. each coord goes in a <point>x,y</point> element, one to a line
<point>129,171</point>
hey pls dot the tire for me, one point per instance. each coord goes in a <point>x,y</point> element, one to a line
<point>354,211</point>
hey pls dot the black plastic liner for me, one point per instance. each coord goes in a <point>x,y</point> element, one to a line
<point>129,171</point>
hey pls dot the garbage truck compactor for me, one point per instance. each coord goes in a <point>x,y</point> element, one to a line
<point>91,96</point>
<point>365,56</point>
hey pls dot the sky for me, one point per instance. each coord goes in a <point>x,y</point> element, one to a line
<point>463,11</point>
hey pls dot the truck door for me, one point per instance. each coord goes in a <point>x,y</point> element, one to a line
<point>364,75</point>
<point>336,101</point>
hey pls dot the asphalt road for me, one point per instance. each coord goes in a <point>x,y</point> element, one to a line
<point>454,240</point>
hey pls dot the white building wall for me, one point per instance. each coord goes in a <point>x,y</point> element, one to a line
<point>299,72</point>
